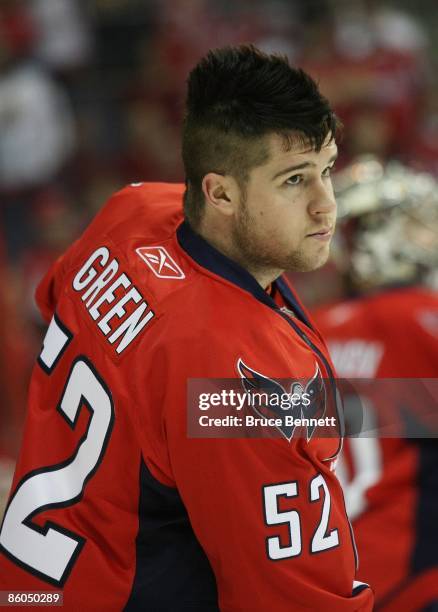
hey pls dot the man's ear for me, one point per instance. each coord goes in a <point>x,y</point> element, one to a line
<point>221,193</point>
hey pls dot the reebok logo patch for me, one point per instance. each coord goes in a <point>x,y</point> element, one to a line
<point>160,262</point>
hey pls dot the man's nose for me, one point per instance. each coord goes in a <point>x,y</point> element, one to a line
<point>322,198</point>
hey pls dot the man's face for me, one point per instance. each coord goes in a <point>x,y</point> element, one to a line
<point>287,214</point>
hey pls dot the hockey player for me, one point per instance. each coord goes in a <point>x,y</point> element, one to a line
<point>113,502</point>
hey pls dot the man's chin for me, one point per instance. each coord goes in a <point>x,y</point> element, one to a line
<point>307,264</point>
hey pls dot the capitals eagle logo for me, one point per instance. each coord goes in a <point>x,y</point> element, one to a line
<point>255,383</point>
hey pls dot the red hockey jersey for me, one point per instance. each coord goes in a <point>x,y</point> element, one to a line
<point>112,501</point>
<point>391,484</point>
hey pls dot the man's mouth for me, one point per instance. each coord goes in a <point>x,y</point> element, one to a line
<point>324,233</point>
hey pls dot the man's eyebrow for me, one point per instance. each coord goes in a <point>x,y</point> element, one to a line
<point>306,164</point>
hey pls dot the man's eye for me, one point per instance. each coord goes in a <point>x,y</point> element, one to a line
<point>295,179</point>
<point>327,171</point>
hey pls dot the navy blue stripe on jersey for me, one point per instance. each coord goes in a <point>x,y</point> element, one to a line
<point>210,258</point>
<point>172,570</point>
<point>291,300</point>
<point>425,554</point>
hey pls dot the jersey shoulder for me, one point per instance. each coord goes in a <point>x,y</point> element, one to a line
<point>105,280</point>
<point>151,210</point>
<point>128,274</point>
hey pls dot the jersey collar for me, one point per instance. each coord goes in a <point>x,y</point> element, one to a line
<point>213,260</point>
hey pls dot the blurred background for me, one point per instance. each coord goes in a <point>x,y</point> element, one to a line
<point>91,98</point>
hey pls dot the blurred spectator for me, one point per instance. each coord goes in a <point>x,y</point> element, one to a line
<point>37,128</point>
<point>375,83</point>
<point>366,24</point>
<point>36,125</point>
<point>63,39</point>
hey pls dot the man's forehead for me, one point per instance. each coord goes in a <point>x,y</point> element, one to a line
<point>296,149</point>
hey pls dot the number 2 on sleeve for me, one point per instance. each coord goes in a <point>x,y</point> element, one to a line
<point>50,551</point>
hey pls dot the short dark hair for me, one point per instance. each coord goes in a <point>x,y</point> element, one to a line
<point>235,97</point>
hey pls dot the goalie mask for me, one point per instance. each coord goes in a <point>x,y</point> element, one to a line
<point>387,224</point>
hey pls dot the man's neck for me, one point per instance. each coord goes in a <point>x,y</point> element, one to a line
<point>215,236</point>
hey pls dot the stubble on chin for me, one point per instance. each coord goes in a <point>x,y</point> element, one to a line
<point>260,253</point>
<point>301,262</point>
